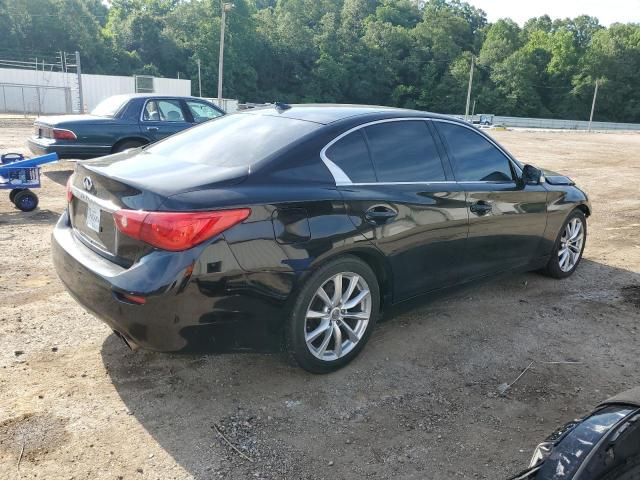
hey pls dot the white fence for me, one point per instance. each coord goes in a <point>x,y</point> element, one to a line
<point>95,88</point>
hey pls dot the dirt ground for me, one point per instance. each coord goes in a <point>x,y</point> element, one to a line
<point>421,401</point>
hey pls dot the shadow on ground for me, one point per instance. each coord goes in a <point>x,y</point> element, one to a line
<point>422,399</point>
<point>36,217</point>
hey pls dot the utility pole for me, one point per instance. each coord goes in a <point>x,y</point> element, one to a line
<point>226,7</point>
<point>79,74</point>
<point>593,105</point>
<point>473,109</point>
<point>199,80</point>
<point>466,112</point>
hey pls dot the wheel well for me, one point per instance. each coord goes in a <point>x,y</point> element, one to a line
<point>382,270</point>
<point>143,141</point>
<point>584,209</point>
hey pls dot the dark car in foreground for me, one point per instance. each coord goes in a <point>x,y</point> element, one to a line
<point>118,123</point>
<point>604,445</point>
<point>297,224</point>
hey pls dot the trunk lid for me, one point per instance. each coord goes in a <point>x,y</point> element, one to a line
<point>138,181</point>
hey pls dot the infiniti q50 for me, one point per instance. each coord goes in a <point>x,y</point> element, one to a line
<point>295,225</point>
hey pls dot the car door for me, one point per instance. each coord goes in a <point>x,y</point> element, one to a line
<point>506,218</point>
<point>399,195</point>
<point>162,117</point>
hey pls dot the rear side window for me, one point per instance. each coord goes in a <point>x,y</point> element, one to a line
<point>404,151</point>
<point>475,159</point>
<point>351,155</point>
<point>233,140</point>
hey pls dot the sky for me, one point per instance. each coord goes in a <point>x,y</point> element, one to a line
<point>607,11</point>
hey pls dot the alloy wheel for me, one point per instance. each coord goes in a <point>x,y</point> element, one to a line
<point>337,316</point>
<point>571,245</point>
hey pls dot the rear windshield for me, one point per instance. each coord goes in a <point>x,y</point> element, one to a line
<point>233,140</point>
<point>109,106</point>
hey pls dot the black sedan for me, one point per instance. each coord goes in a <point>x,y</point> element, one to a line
<point>117,124</point>
<point>298,224</point>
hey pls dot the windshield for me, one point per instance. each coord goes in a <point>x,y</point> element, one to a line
<point>110,106</point>
<point>233,140</point>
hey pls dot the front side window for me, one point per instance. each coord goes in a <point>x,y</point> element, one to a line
<point>202,112</point>
<point>163,111</point>
<point>351,155</point>
<point>475,159</point>
<point>404,151</point>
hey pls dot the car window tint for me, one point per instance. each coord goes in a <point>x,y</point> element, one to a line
<point>202,112</point>
<point>475,159</point>
<point>233,140</point>
<point>350,153</point>
<point>170,111</point>
<point>404,151</point>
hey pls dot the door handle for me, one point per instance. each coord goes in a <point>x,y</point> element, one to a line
<point>152,129</point>
<point>380,214</point>
<point>480,208</point>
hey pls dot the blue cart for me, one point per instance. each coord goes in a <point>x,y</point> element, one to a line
<point>19,175</point>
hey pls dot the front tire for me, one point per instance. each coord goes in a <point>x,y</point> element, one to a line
<point>567,251</point>
<point>333,315</point>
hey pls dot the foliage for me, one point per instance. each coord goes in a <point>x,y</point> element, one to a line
<point>409,53</point>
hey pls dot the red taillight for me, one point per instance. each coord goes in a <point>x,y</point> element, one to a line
<point>137,299</point>
<point>62,134</point>
<point>176,231</point>
<point>69,191</point>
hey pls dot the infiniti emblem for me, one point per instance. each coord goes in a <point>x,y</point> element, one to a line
<point>88,183</point>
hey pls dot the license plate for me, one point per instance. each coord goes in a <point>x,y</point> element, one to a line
<point>93,217</point>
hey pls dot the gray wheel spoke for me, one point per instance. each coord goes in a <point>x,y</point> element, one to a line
<point>337,289</point>
<point>325,341</point>
<point>323,327</point>
<point>356,315</point>
<point>324,297</point>
<point>353,282</point>
<point>356,300</point>
<point>314,314</point>
<point>351,335</point>
<point>337,340</point>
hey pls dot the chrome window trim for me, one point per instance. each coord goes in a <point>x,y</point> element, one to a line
<point>342,179</point>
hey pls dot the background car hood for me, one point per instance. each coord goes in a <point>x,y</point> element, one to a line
<point>162,175</point>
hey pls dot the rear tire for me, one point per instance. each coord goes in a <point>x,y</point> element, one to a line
<point>567,251</point>
<point>326,330</point>
<point>26,200</point>
<point>126,145</point>
<point>13,193</point>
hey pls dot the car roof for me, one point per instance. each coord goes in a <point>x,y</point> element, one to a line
<point>130,96</point>
<point>330,113</point>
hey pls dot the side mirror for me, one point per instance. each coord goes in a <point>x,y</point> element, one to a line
<point>531,175</point>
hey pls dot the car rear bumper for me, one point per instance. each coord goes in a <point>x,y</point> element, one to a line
<point>42,146</point>
<point>217,308</point>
